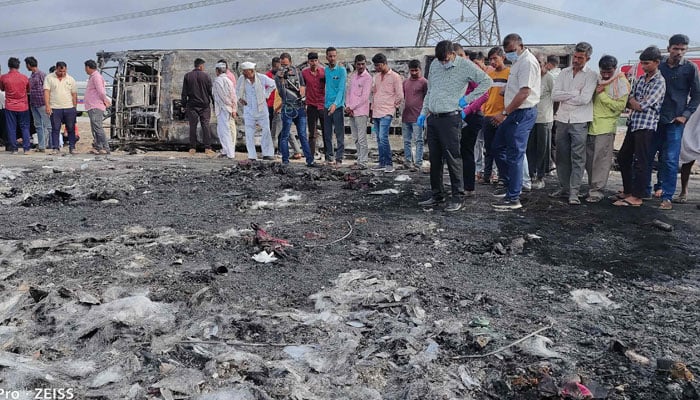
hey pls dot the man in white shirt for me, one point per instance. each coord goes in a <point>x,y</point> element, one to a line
<point>573,89</point>
<point>253,90</point>
<point>516,120</point>
<point>225,102</point>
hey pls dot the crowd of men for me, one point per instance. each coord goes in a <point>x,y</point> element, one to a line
<point>51,99</point>
<point>509,122</point>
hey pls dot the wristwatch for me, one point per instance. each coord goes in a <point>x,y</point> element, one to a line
<point>504,113</point>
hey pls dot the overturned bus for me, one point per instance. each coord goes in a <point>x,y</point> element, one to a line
<point>147,84</point>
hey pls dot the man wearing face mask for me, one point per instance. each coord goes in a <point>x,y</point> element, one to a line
<point>517,119</point>
<point>574,90</point>
<point>447,82</point>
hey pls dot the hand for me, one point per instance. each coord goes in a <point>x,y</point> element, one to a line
<point>234,114</point>
<point>463,101</point>
<point>331,110</point>
<point>421,121</point>
<point>681,120</point>
<point>48,109</point>
<point>498,119</point>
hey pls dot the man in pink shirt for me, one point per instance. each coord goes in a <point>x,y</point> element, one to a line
<point>96,102</point>
<point>16,87</point>
<point>387,91</point>
<point>357,109</point>
<point>315,97</point>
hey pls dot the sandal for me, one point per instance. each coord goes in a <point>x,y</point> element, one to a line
<point>658,193</point>
<point>593,199</point>
<point>617,196</point>
<point>681,199</point>
<point>666,205</point>
<point>625,203</point>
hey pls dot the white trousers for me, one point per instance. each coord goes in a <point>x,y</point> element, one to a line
<point>224,133</point>
<point>268,150</point>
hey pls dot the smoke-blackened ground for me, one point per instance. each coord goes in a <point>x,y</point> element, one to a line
<point>132,276</point>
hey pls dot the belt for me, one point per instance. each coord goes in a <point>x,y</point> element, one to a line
<point>445,114</point>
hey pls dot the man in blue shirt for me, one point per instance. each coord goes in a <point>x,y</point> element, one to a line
<point>680,102</point>
<point>334,104</point>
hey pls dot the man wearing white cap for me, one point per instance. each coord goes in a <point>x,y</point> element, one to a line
<point>224,102</point>
<point>253,90</point>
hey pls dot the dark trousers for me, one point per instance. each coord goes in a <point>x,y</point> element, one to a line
<point>489,130</point>
<point>314,115</point>
<point>21,118</point>
<point>474,123</point>
<point>201,115</point>
<point>633,159</point>
<point>334,122</point>
<point>444,144</point>
<point>538,147</point>
<point>3,131</point>
<point>65,116</point>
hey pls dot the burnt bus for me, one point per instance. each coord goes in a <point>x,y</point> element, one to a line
<point>146,84</point>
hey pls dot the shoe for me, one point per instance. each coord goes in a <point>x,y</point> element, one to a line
<point>338,164</point>
<point>209,153</point>
<point>454,206</point>
<point>526,189</point>
<point>14,152</point>
<point>296,156</point>
<point>469,193</point>
<point>72,151</point>
<point>507,204</point>
<point>538,184</point>
<point>358,167</point>
<point>559,193</point>
<point>378,168</point>
<point>269,158</point>
<point>193,151</point>
<point>103,151</point>
<point>312,165</point>
<point>389,169</point>
<point>500,193</point>
<point>40,150</point>
<point>431,202</point>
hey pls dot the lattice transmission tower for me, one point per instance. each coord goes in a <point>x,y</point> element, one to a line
<point>469,22</point>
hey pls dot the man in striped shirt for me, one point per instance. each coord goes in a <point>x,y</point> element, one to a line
<point>42,122</point>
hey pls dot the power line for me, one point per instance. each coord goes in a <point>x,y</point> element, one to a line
<point>171,32</point>
<point>684,3</point>
<point>400,11</point>
<point>14,2</point>
<point>115,18</point>
<point>593,21</point>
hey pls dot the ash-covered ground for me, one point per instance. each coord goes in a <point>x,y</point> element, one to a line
<point>133,277</point>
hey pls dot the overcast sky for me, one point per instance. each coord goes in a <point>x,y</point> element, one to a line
<point>368,23</point>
